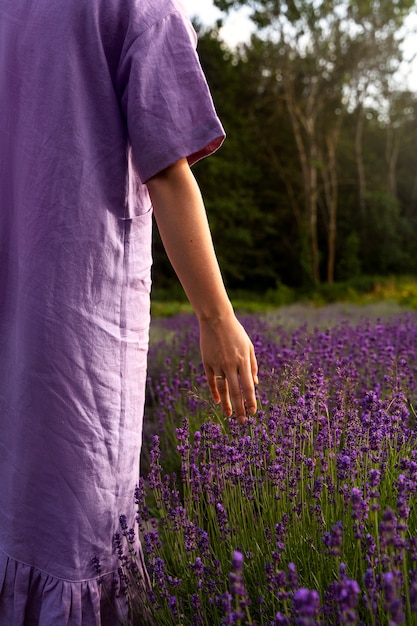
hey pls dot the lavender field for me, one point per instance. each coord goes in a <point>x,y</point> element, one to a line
<point>307,514</point>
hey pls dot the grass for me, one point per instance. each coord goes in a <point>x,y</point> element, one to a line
<point>362,291</point>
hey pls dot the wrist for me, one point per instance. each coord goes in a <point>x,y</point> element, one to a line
<point>215,314</point>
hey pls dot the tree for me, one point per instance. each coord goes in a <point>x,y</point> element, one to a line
<point>325,58</point>
<point>229,179</point>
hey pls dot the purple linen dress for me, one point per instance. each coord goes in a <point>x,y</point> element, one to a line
<point>96,96</point>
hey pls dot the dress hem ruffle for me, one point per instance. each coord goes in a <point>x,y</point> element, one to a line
<point>30,596</point>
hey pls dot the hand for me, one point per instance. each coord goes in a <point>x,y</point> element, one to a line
<point>226,349</point>
<point>230,365</point>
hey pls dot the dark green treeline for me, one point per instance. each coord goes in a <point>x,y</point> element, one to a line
<point>317,180</point>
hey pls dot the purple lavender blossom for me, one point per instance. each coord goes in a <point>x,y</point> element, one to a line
<point>341,602</point>
<point>344,466</point>
<point>333,540</point>
<point>390,538</point>
<point>402,501</point>
<point>360,510</point>
<point>334,428</point>
<point>372,594</point>
<point>236,601</point>
<point>223,521</point>
<point>292,576</point>
<point>413,590</point>
<point>374,478</point>
<point>306,606</point>
<point>227,608</point>
<point>154,476</point>
<point>393,602</point>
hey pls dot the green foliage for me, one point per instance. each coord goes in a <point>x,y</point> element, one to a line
<point>229,178</point>
<point>311,71</point>
<point>364,289</point>
<point>350,265</point>
<point>383,251</point>
<point>361,290</point>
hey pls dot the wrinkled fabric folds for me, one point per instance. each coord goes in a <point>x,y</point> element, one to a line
<point>34,598</point>
<point>96,96</point>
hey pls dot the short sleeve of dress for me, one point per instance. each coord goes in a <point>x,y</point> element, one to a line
<point>165,98</point>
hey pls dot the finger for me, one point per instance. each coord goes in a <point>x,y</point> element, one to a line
<point>247,384</point>
<point>254,366</point>
<point>236,398</point>
<point>211,381</point>
<point>223,390</point>
<point>248,380</point>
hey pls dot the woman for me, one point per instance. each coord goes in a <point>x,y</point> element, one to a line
<point>104,107</point>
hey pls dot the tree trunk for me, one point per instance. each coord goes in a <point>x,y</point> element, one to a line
<point>330,181</point>
<point>306,149</point>
<point>279,167</point>
<point>391,153</point>
<point>312,202</point>
<point>359,159</point>
<point>308,155</point>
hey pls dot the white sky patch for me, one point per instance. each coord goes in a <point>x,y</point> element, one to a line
<point>409,69</point>
<point>203,9</point>
<point>237,25</point>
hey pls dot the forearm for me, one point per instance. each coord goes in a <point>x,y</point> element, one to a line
<point>182,223</point>
<point>228,355</point>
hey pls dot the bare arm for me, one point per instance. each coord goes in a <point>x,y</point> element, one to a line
<point>225,347</point>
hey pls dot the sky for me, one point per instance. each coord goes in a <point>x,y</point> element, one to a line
<point>237,27</point>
